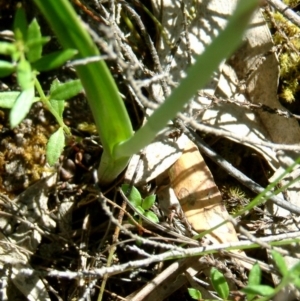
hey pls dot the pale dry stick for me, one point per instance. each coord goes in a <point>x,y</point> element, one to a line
<point>112,248</point>
<point>150,44</point>
<point>232,171</point>
<point>264,266</point>
<point>135,64</point>
<point>88,11</point>
<point>136,224</point>
<point>248,234</point>
<point>280,31</point>
<point>137,250</point>
<point>88,291</point>
<point>223,133</point>
<point>248,105</point>
<point>89,60</point>
<point>172,254</point>
<point>158,226</point>
<point>286,11</point>
<point>102,201</point>
<point>155,290</point>
<point>85,234</point>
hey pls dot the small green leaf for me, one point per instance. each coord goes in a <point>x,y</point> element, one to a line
<point>20,25</point>
<point>6,68</point>
<point>53,60</point>
<point>148,201</point>
<point>24,75</point>
<point>294,274</point>
<point>7,48</point>
<point>54,85</point>
<point>34,51</point>
<point>255,274</point>
<point>280,263</point>
<point>262,290</point>
<point>21,107</point>
<point>58,106</point>
<point>37,42</point>
<point>7,99</point>
<point>134,197</point>
<point>140,210</point>
<point>194,294</point>
<point>152,216</point>
<point>219,283</point>
<point>296,282</point>
<point>66,90</point>
<point>55,146</point>
<point>254,279</point>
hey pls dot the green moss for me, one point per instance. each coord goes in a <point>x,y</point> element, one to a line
<point>291,3</point>
<point>286,38</point>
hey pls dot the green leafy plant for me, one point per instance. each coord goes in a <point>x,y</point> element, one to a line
<point>113,123</point>
<point>254,290</point>
<point>194,293</point>
<point>141,205</point>
<point>260,292</point>
<point>219,284</point>
<point>26,61</point>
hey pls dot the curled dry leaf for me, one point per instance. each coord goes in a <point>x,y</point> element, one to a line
<point>199,196</point>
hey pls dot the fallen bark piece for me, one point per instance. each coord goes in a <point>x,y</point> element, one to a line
<point>199,196</point>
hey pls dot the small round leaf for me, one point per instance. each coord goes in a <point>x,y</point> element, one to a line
<point>194,294</point>
<point>148,201</point>
<point>134,195</point>
<point>152,216</point>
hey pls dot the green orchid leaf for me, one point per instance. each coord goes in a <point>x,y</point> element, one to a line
<point>262,290</point>
<point>21,107</point>
<point>99,85</point>
<point>24,75</point>
<point>148,201</point>
<point>194,294</point>
<point>280,262</point>
<point>20,25</point>
<point>34,41</point>
<point>53,60</point>
<point>55,146</point>
<point>7,48</point>
<point>134,196</point>
<point>152,216</point>
<point>58,106</point>
<point>6,68</point>
<point>219,283</point>
<point>66,90</point>
<point>254,279</point>
<point>8,99</point>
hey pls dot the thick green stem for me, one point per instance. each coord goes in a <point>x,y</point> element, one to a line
<point>111,118</point>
